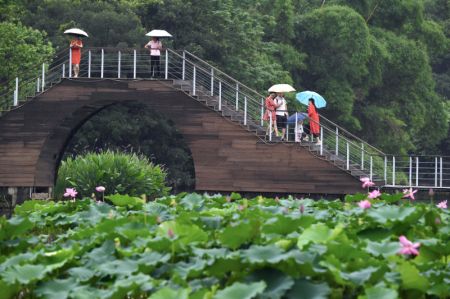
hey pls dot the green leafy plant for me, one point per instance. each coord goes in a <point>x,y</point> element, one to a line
<point>194,246</point>
<point>117,172</point>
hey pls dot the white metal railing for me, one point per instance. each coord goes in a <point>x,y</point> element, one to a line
<point>25,87</point>
<point>242,104</point>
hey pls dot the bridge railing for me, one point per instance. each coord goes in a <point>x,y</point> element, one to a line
<point>25,87</point>
<point>201,79</point>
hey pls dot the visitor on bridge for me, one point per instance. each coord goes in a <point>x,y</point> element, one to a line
<point>314,126</point>
<point>155,47</point>
<point>75,46</point>
<point>270,114</point>
<point>281,113</point>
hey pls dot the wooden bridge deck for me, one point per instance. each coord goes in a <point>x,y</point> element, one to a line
<point>226,156</point>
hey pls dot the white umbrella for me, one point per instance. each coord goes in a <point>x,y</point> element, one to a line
<point>76,31</point>
<point>159,33</point>
<point>281,88</point>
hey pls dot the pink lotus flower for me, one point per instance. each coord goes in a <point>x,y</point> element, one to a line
<point>408,247</point>
<point>100,189</point>
<point>366,182</point>
<point>71,192</point>
<point>442,204</point>
<point>364,204</point>
<point>409,193</point>
<point>374,194</point>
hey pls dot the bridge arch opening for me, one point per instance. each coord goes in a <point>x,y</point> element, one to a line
<point>136,127</point>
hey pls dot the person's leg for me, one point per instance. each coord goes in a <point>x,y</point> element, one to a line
<point>283,127</point>
<point>152,66</point>
<point>158,66</point>
<point>76,70</point>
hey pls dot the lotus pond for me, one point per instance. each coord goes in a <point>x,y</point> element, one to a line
<point>201,246</point>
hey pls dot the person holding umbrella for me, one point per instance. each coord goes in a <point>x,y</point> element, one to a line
<point>281,113</point>
<point>75,45</point>
<point>270,114</point>
<point>314,127</point>
<point>155,47</point>
<point>75,48</point>
<point>314,101</point>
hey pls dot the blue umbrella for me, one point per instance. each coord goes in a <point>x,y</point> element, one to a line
<point>304,96</point>
<point>297,115</point>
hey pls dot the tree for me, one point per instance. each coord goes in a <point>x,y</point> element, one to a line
<point>22,51</point>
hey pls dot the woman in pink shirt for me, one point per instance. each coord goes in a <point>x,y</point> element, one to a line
<point>155,47</point>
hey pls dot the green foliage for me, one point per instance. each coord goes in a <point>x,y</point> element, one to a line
<point>117,172</point>
<point>108,23</point>
<point>184,247</point>
<point>22,51</point>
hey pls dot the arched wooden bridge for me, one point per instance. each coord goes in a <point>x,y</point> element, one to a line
<point>226,156</point>
<point>219,117</point>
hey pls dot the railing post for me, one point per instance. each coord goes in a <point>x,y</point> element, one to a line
<point>417,171</point>
<point>348,156</point>
<point>220,95</point>
<point>385,170</point>
<point>362,156</point>
<point>287,132</point>
<point>212,81</point>
<point>89,63</point>
<point>410,171</point>
<point>337,141</point>
<point>119,60</point>
<point>371,168</point>
<point>393,170</point>
<point>43,77</point>
<point>166,71</point>
<point>183,71</point>
<point>262,112</point>
<point>194,75</point>
<point>442,166</point>
<point>296,129</point>
<point>101,65</point>
<point>63,70</point>
<point>237,96</point>
<point>321,141</point>
<point>38,85</point>
<point>70,62</point>
<point>16,92</point>
<point>134,64</point>
<point>270,126</point>
<point>245,111</point>
<point>435,171</point>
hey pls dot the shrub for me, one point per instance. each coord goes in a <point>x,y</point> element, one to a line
<point>117,172</point>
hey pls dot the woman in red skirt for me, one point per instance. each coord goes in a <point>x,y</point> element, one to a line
<point>270,113</point>
<point>75,45</point>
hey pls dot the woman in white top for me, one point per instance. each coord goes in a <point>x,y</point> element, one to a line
<point>155,47</point>
<point>281,113</point>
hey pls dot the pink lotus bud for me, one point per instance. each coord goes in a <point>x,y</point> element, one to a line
<point>431,192</point>
<point>170,233</point>
<point>302,209</point>
<point>437,220</point>
<point>100,189</point>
